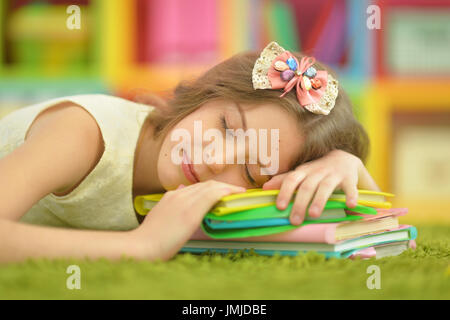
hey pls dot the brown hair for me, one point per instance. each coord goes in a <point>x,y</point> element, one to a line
<point>232,80</point>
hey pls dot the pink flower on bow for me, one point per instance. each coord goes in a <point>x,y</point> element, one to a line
<point>305,97</point>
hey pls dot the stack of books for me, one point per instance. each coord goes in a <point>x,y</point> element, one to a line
<point>251,221</point>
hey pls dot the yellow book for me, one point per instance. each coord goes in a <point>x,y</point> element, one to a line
<point>257,198</point>
<point>143,204</point>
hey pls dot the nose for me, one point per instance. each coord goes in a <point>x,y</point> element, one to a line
<point>231,154</point>
<point>215,162</point>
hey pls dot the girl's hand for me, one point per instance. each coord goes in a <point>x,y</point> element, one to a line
<point>168,226</point>
<point>318,178</point>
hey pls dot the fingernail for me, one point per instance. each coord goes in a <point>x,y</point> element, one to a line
<point>313,210</point>
<point>296,219</point>
<point>181,186</point>
<point>282,204</point>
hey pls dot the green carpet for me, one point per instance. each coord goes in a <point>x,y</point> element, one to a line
<point>423,273</point>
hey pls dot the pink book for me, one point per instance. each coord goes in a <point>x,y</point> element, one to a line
<point>319,232</point>
<point>198,31</point>
<point>371,252</point>
<point>181,31</point>
<point>162,24</point>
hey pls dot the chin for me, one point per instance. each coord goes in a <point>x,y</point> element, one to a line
<point>170,184</point>
<point>168,175</point>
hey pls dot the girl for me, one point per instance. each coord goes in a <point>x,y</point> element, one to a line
<point>78,162</point>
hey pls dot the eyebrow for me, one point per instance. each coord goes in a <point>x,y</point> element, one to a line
<point>244,124</point>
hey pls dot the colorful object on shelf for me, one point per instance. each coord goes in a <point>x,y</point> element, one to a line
<point>36,44</point>
<point>181,31</point>
<point>279,23</point>
<point>322,25</point>
<point>331,32</point>
<point>414,33</point>
<point>265,76</point>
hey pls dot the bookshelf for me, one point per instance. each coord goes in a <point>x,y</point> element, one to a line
<point>391,99</point>
<point>121,66</point>
<point>126,69</point>
<point>407,108</point>
<point>116,31</point>
<point>117,62</point>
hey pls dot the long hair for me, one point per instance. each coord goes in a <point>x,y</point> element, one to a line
<point>232,80</point>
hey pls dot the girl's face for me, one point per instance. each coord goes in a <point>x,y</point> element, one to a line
<point>278,152</point>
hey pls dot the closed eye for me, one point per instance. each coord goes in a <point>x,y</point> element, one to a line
<point>248,176</point>
<point>223,122</point>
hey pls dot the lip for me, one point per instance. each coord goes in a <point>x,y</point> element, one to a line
<point>188,169</point>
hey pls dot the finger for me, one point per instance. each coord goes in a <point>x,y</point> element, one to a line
<point>212,187</point>
<point>303,198</point>
<point>211,184</point>
<point>188,207</point>
<point>324,191</point>
<point>289,185</point>
<point>192,204</point>
<point>185,194</point>
<point>350,187</point>
<point>205,198</point>
<point>275,182</point>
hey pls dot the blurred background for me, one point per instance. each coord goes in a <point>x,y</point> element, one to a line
<point>395,69</point>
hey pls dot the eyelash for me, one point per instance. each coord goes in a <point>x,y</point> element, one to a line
<point>247,173</point>
<point>223,122</point>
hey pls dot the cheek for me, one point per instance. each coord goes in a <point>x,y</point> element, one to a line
<point>167,170</point>
<point>232,175</point>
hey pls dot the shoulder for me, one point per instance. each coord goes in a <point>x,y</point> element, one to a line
<point>69,132</point>
<point>62,146</point>
<point>65,116</point>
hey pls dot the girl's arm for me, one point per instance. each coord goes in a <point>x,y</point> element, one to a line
<point>164,231</point>
<point>61,149</point>
<point>19,241</point>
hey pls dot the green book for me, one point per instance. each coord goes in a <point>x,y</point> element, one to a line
<point>269,220</point>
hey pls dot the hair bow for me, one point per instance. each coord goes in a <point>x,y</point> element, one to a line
<point>277,68</point>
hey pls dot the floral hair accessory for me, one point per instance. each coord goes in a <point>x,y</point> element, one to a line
<point>277,68</point>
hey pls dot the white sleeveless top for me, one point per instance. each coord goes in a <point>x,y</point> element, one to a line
<point>103,200</point>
